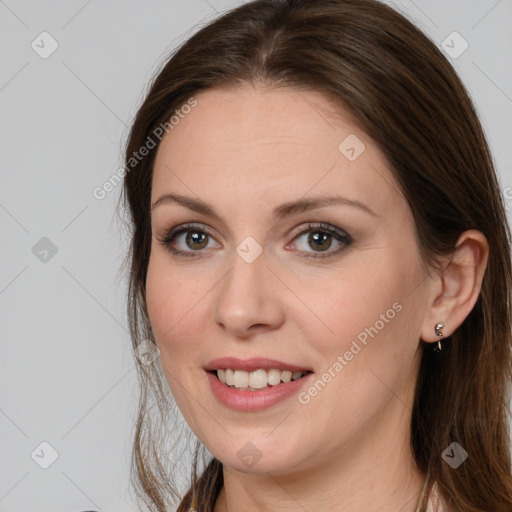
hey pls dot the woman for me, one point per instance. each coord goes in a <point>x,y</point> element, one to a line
<point>321,256</point>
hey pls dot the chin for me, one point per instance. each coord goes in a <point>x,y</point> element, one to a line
<point>258,455</point>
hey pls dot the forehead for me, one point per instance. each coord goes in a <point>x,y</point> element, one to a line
<point>270,142</point>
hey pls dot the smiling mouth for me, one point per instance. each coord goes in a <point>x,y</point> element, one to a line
<point>258,379</point>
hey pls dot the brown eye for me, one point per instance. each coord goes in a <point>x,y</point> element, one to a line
<point>320,238</point>
<point>196,240</point>
<point>191,245</point>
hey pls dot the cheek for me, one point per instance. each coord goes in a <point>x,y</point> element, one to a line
<point>176,308</point>
<point>374,315</point>
<point>370,362</point>
<point>366,300</point>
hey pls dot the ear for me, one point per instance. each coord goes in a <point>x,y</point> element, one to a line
<point>456,286</point>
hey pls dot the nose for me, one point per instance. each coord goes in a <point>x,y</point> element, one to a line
<point>248,300</point>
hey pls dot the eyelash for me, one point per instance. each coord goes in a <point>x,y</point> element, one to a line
<point>168,239</point>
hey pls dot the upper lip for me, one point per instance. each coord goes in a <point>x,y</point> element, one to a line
<point>250,365</point>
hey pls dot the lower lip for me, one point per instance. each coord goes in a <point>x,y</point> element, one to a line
<point>250,401</point>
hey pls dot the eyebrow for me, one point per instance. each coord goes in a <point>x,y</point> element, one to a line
<point>281,211</point>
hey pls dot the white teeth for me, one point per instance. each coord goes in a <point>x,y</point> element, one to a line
<point>274,377</point>
<point>286,376</point>
<point>258,379</point>
<point>241,379</point>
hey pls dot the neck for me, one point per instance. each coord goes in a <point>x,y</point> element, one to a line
<point>263,495</point>
<point>376,472</point>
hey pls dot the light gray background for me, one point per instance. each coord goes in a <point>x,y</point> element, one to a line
<point>67,374</point>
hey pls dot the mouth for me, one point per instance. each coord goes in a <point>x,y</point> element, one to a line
<point>258,379</point>
<point>251,385</point>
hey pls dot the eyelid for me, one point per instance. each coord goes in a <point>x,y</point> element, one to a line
<point>167,239</point>
<point>339,235</point>
<point>321,226</point>
<point>170,234</point>
<point>304,227</point>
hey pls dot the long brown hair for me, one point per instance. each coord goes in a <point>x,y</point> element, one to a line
<point>369,59</point>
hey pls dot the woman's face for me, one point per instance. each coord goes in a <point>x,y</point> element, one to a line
<point>345,299</point>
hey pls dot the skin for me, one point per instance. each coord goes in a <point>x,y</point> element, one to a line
<point>244,152</point>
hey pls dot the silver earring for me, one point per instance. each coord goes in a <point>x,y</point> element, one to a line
<point>437,330</point>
